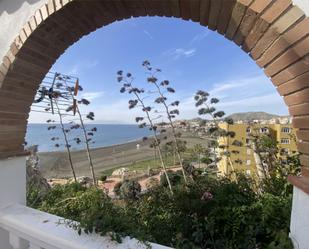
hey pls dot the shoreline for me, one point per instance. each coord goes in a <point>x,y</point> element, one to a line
<point>94,148</point>
<point>102,138</point>
<point>55,164</point>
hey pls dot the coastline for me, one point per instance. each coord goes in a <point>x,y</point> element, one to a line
<point>106,135</point>
<point>137,140</point>
<point>56,165</point>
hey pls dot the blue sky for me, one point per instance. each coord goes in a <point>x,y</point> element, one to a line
<point>191,57</point>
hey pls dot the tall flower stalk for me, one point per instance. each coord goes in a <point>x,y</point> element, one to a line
<point>61,96</point>
<point>87,140</point>
<point>206,107</point>
<point>66,139</point>
<point>86,134</point>
<point>170,114</point>
<point>128,87</point>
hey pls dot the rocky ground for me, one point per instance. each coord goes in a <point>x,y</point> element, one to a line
<point>109,184</point>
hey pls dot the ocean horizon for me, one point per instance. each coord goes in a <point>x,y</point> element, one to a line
<point>106,135</point>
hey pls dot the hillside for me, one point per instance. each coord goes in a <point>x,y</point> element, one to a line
<point>249,116</point>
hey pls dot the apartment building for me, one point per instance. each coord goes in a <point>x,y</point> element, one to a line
<point>240,147</point>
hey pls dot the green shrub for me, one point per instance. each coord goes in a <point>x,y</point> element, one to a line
<point>208,213</point>
<point>117,188</point>
<point>34,196</point>
<point>130,190</point>
<point>277,183</point>
<point>103,178</point>
<point>175,178</point>
<point>206,160</point>
<point>152,183</point>
<point>188,167</point>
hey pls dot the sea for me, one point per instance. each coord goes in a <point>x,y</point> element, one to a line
<point>106,135</point>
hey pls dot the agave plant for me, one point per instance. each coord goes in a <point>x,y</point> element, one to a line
<point>171,109</point>
<point>147,120</point>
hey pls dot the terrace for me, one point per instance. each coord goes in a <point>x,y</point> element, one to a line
<point>35,33</point>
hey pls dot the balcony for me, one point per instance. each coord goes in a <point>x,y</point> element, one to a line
<point>26,228</point>
<point>30,228</point>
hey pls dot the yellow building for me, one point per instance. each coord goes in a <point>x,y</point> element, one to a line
<point>240,156</point>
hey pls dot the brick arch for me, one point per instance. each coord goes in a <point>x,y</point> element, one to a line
<point>273,32</point>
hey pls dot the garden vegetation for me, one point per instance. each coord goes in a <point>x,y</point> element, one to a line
<point>193,207</point>
<point>208,212</point>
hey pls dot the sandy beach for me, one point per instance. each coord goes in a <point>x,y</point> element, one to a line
<point>56,164</point>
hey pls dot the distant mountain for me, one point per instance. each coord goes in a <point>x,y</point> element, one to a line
<point>249,116</point>
<point>198,119</point>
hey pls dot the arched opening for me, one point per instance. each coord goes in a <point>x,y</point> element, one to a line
<point>186,61</point>
<point>273,33</point>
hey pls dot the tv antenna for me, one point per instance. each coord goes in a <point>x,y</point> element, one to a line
<point>57,91</point>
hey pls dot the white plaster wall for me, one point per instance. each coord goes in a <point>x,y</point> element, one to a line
<point>302,4</point>
<point>12,188</point>
<point>44,231</point>
<point>13,181</point>
<point>300,219</point>
<point>4,239</point>
<point>13,15</point>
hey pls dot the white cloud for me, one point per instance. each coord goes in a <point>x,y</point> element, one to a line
<point>92,64</point>
<point>221,88</point>
<point>148,34</point>
<point>74,70</point>
<point>92,95</point>
<point>199,37</point>
<point>79,67</point>
<point>40,117</point>
<point>268,100</point>
<point>271,103</point>
<point>227,87</point>
<point>243,95</point>
<point>247,94</point>
<point>180,52</point>
<point>116,112</point>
